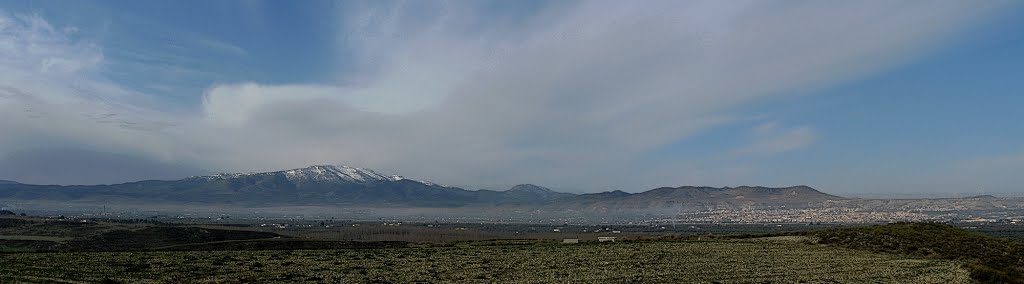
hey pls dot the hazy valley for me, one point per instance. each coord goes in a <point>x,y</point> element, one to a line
<point>363,194</point>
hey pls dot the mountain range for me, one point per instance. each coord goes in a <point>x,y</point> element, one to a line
<point>336,185</point>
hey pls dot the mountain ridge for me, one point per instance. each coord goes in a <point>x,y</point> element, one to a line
<point>347,186</point>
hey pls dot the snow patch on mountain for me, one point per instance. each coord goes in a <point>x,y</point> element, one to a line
<point>330,173</point>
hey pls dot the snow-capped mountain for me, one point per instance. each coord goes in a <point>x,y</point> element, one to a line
<point>320,184</point>
<point>347,186</point>
<point>320,174</point>
<point>339,173</point>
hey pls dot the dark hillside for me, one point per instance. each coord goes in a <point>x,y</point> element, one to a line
<point>990,260</point>
<point>161,236</point>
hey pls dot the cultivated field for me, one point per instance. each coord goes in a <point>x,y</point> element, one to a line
<point>768,260</point>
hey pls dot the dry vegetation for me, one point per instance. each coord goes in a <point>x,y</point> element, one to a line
<point>724,261</point>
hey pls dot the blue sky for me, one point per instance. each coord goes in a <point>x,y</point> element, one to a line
<point>864,97</point>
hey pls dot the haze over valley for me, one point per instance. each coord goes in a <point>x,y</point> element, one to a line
<point>490,141</point>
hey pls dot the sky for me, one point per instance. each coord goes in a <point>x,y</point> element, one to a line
<point>850,97</point>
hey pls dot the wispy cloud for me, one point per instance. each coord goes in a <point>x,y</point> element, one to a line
<point>222,46</point>
<point>569,96</point>
<point>52,94</point>
<point>991,173</point>
<point>769,138</point>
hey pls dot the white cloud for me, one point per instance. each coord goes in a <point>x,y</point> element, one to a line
<point>568,97</point>
<point>233,105</point>
<point>33,47</point>
<point>596,84</point>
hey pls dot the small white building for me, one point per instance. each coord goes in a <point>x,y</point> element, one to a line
<point>606,239</point>
<point>570,241</point>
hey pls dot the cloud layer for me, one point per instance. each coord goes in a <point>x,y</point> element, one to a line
<point>570,96</point>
